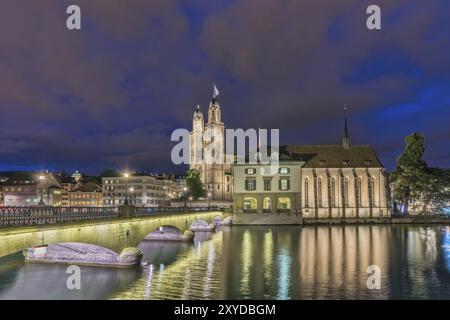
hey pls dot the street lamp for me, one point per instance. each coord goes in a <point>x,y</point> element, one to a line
<point>126,175</point>
<point>190,202</point>
<point>41,202</point>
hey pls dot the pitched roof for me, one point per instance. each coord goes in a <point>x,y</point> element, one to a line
<point>21,178</point>
<point>88,187</point>
<point>332,156</point>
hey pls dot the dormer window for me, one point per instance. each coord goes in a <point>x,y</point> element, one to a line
<point>323,162</point>
<point>345,162</point>
<point>368,162</point>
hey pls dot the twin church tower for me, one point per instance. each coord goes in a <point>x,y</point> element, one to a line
<point>216,177</point>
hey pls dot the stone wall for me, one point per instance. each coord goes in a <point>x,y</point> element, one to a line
<point>113,234</point>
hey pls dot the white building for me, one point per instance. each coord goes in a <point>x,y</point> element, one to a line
<point>141,190</point>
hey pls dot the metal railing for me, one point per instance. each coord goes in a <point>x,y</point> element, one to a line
<point>17,216</point>
<point>146,211</point>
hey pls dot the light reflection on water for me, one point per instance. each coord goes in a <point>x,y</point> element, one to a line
<point>278,262</point>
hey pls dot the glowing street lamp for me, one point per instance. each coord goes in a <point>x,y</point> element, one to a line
<point>209,200</point>
<point>41,202</point>
<point>190,202</point>
<point>126,176</point>
<point>184,196</point>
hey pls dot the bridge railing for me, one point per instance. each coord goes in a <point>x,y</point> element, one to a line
<point>17,216</point>
<point>147,211</point>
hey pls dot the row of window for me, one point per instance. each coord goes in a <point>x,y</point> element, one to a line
<point>86,196</point>
<point>284,184</point>
<point>250,203</point>
<point>331,188</point>
<point>282,170</point>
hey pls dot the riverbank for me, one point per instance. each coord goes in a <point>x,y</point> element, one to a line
<point>297,219</point>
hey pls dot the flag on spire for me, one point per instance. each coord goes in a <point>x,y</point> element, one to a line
<point>216,91</point>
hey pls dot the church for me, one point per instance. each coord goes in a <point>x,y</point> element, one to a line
<point>215,175</point>
<point>311,182</point>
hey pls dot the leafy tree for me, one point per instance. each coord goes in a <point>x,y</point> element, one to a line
<point>410,177</point>
<point>194,184</point>
<point>436,194</point>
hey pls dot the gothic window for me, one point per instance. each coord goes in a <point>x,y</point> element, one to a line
<point>358,191</point>
<point>333,191</point>
<point>319,192</point>
<point>346,191</point>
<point>372,191</point>
<point>306,192</point>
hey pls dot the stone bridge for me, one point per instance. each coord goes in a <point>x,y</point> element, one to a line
<point>115,234</point>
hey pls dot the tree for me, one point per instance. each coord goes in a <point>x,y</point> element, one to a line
<point>410,176</point>
<point>194,184</point>
<point>436,194</point>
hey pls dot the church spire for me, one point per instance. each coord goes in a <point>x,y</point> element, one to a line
<point>346,139</point>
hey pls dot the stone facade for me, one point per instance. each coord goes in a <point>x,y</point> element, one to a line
<point>255,191</point>
<point>326,182</point>
<point>207,153</point>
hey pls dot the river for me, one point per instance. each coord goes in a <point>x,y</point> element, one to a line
<point>277,262</point>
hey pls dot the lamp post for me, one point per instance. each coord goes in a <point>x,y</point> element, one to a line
<point>131,195</point>
<point>41,202</point>
<point>126,175</point>
<point>209,200</point>
<point>190,202</point>
<point>165,196</point>
<point>184,196</point>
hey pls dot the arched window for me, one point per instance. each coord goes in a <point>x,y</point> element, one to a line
<point>284,203</point>
<point>358,191</point>
<point>372,191</point>
<point>267,204</point>
<point>346,191</point>
<point>250,203</point>
<point>306,192</point>
<point>319,192</point>
<point>333,191</point>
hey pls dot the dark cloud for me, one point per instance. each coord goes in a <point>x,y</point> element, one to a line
<point>110,94</point>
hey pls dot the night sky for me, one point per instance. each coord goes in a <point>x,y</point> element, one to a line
<point>110,95</point>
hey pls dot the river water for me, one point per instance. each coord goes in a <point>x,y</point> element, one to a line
<point>278,262</point>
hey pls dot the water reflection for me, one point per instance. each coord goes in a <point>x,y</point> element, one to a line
<point>41,281</point>
<point>279,262</point>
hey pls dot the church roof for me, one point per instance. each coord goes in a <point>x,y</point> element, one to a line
<point>332,156</point>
